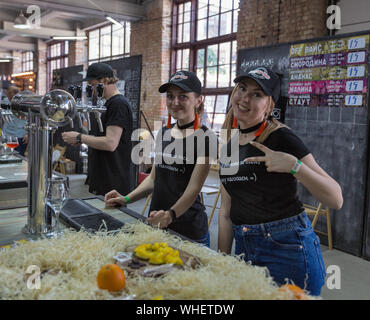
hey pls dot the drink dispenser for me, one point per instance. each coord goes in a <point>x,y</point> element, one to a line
<point>45,114</point>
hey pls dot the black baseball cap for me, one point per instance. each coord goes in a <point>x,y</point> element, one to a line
<point>266,78</point>
<point>98,70</point>
<point>186,80</point>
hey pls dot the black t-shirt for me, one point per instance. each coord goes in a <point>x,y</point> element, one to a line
<point>174,165</point>
<point>112,170</point>
<point>258,196</point>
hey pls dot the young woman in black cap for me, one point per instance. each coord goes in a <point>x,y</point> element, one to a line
<point>259,206</point>
<point>177,177</point>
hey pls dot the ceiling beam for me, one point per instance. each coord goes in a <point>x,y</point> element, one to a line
<point>9,45</point>
<point>5,54</point>
<point>93,23</point>
<point>41,33</point>
<point>93,8</point>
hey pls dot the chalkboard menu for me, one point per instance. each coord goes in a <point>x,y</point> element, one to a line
<point>325,86</point>
<point>329,73</point>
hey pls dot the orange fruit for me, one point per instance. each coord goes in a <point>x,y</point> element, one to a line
<point>297,292</point>
<point>111,278</point>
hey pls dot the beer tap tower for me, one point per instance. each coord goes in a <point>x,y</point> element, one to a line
<point>45,114</point>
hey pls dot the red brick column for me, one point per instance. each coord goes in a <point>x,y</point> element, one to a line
<point>41,62</point>
<point>151,38</point>
<point>77,54</point>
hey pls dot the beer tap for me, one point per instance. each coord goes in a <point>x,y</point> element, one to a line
<point>6,113</point>
<point>72,90</point>
<point>79,105</point>
<point>45,114</point>
<point>89,94</point>
<point>100,104</point>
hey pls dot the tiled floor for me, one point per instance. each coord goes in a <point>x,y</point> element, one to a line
<point>354,273</point>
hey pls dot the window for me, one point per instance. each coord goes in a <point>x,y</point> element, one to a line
<point>216,18</point>
<point>57,58</point>
<point>204,41</point>
<point>27,61</point>
<point>109,42</point>
<point>216,64</point>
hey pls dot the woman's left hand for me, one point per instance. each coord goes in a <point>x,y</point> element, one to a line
<point>162,219</point>
<point>275,161</point>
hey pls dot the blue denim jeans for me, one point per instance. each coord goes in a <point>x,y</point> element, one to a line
<point>289,248</point>
<point>21,147</point>
<point>204,240</point>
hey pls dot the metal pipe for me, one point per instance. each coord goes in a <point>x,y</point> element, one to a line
<point>39,220</point>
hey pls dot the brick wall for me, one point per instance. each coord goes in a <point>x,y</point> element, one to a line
<point>41,57</point>
<point>151,38</point>
<point>78,53</point>
<point>268,22</point>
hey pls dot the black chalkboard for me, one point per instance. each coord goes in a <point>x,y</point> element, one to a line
<point>338,138</point>
<point>62,78</point>
<point>129,71</point>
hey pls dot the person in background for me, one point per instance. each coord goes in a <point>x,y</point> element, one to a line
<point>109,159</point>
<point>16,127</point>
<point>176,186</point>
<point>259,203</point>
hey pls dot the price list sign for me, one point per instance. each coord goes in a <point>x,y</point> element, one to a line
<point>329,73</point>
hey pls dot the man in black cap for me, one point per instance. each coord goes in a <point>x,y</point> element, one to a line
<point>110,165</point>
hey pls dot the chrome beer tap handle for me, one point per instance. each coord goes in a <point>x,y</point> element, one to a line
<point>79,118</point>
<point>89,92</point>
<point>98,119</point>
<point>87,116</point>
<point>8,116</point>
<point>100,91</point>
<point>70,121</point>
<point>71,90</point>
<point>78,93</point>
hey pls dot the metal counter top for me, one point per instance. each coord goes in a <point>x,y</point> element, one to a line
<point>12,220</point>
<point>13,175</point>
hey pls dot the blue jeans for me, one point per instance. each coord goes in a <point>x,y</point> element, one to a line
<point>289,248</point>
<point>204,240</point>
<point>21,147</point>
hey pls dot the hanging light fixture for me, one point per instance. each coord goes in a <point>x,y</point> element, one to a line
<point>21,22</point>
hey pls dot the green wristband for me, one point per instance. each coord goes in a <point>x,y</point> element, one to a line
<point>296,167</point>
<point>128,200</point>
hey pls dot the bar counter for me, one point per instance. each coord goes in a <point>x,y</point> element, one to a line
<point>12,220</point>
<point>13,175</point>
